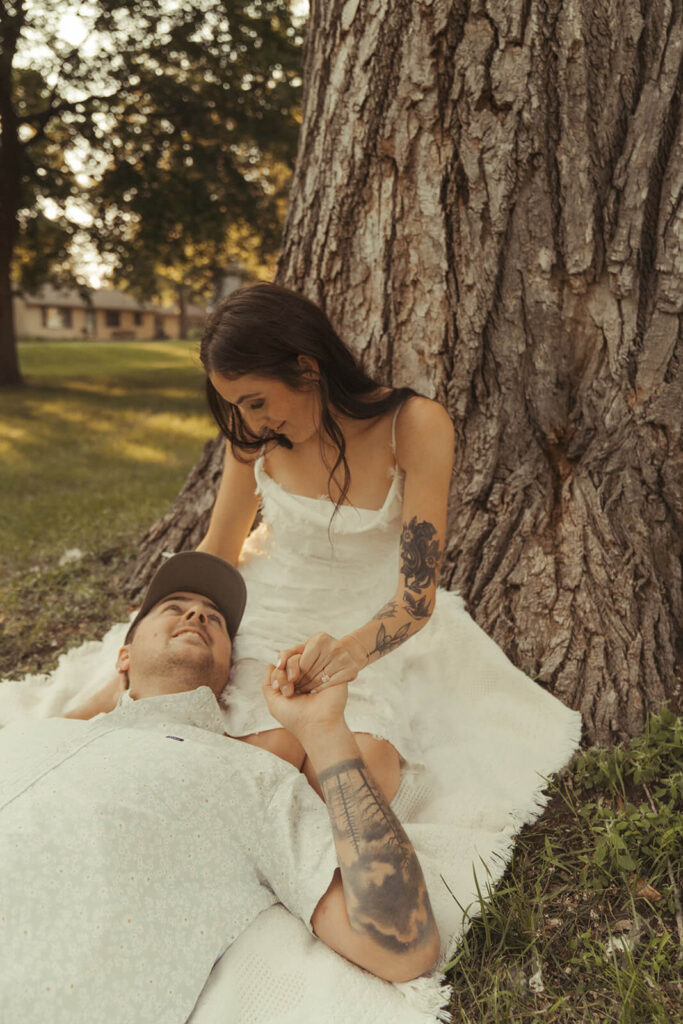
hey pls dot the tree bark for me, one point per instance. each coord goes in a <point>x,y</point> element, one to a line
<point>182,306</point>
<point>10,374</point>
<point>488,204</point>
<point>186,522</point>
<point>10,177</point>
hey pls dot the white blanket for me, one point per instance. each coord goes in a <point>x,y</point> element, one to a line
<point>462,824</point>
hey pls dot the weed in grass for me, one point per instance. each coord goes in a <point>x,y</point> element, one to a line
<point>634,815</point>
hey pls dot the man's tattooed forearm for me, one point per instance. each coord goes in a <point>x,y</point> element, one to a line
<point>385,891</point>
<point>420,558</point>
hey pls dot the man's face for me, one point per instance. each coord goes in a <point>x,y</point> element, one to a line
<point>182,643</point>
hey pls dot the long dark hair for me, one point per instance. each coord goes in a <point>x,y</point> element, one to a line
<point>262,330</point>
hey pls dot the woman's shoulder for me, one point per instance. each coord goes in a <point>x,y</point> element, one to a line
<point>422,424</point>
<point>423,417</point>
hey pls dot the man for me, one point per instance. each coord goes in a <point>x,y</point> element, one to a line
<point>137,846</point>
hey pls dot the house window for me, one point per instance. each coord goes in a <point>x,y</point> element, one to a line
<point>112,317</point>
<point>137,319</point>
<point>56,318</point>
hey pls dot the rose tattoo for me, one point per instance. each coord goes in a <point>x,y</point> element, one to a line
<point>420,557</point>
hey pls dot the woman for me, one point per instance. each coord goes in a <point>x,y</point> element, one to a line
<point>353,479</point>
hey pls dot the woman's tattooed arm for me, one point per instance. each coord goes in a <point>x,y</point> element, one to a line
<point>385,892</point>
<point>420,559</point>
<point>385,642</point>
<point>425,441</point>
<point>420,556</point>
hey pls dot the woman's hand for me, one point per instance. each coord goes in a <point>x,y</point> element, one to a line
<point>320,662</point>
<point>105,699</point>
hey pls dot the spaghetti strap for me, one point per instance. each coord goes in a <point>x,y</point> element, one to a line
<point>393,429</point>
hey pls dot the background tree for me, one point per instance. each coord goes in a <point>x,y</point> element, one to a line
<point>43,247</point>
<point>169,111</point>
<point>487,202</point>
<point>202,152</point>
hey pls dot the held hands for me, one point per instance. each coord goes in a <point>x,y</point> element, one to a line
<point>319,663</point>
<point>306,714</point>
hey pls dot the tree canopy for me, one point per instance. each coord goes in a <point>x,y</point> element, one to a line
<point>164,133</point>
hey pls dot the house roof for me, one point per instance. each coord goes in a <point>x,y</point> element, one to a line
<point>101,298</point>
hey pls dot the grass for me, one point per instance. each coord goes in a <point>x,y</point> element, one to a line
<point>96,446</point>
<point>583,926</point>
<point>114,428</point>
<point>92,452</point>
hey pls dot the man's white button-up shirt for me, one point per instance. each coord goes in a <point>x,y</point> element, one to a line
<point>134,849</point>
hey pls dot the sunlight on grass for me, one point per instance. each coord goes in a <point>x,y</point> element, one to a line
<point>10,435</point>
<point>97,446</point>
<point>190,426</point>
<point>145,453</point>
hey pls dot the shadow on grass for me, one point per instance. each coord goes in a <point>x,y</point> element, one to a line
<point>83,459</point>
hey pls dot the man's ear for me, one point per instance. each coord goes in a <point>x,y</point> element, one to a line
<point>123,660</point>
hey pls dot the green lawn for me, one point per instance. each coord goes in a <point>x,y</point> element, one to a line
<point>96,446</point>
<point>92,451</point>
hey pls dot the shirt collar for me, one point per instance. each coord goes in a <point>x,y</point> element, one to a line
<point>194,707</point>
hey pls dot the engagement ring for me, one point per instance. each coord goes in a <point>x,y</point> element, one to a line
<point>324,678</point>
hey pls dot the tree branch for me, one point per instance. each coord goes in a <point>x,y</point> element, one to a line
<point>43,118</point>
<point>12,25</point>
<point>7,15</point>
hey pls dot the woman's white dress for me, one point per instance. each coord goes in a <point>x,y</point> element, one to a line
<point>308,570</point>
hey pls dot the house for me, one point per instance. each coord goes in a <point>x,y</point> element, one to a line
<point>103,315</point>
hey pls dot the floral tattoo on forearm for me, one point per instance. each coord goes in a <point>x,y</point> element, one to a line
<point>385,642</point>
<point>385,891</point>
<point>420,560</point>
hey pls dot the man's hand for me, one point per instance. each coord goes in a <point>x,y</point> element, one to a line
<point>306,713</point>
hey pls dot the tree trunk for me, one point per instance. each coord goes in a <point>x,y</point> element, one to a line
<point>488,204</point>
<point>182,307</point>
<point>10,177</point>
<point>10,375</point>
<point>186,522</point>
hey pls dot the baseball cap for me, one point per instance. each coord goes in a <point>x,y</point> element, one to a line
<point>198,573</point>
